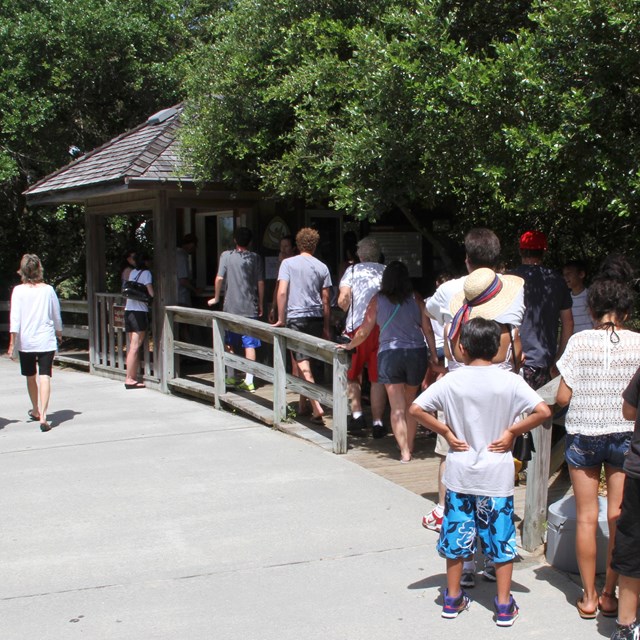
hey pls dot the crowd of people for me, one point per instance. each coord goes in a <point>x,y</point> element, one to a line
<point>466,363</point>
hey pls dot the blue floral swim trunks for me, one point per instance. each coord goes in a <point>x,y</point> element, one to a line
<point>467,517</point>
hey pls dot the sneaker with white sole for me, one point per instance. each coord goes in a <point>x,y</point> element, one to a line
<point>452,607</point>
<point>626,632</point>
<point>230,382</point>
<point>506,614</point>
<point>489,571</point>
<point>243,386</point>
<point>468,579</point>
<point>432,521</point>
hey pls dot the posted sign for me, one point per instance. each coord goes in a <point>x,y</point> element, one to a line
<point>117,320</point>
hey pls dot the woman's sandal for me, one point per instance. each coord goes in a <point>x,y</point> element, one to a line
<point>32,415</point>
<point>608,613</point>
<point>585,614</point>
<point>317,419</point>
<point>45,426</point>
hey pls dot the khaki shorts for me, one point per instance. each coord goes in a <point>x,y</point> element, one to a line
<point>442,446</point>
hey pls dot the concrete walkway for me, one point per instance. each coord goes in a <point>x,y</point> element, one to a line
<point>144,516</point>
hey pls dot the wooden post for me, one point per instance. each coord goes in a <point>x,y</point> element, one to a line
<point>168,359</point>
<point>94,230</point>
<point>535,512</point>
<point>218,363</point>
<point>340,400</point>
<point>279,379</point>
<point>164,279</point>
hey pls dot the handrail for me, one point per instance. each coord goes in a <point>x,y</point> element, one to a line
<point>80,331</point>
<point>281,339</point>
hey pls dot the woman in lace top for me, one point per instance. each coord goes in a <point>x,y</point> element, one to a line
<point>596,368</point>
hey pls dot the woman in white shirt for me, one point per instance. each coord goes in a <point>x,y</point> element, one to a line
<point>35,328</point>
<point>596,367</point>
<point>136,322</point>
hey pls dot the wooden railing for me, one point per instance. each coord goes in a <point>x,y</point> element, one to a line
<point>281,340</point>
<point>109,341</point>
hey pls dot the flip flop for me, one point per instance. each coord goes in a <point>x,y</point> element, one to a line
<point>45,426</point>
<point>608,613</point>
<point>585,614</point>
<point>317,420</point>
<point>32,415</point>
<point>137,385</point>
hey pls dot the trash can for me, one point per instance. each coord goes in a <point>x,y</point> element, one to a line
<point>561,535</point>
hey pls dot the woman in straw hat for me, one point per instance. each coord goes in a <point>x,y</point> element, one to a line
<point>492,296</point>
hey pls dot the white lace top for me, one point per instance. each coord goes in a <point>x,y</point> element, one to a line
<point>598,369</point>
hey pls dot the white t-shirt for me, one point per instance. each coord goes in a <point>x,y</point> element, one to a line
<point>35,317</point>
<point>143,277</point>
<point>438,304</point>
<point>478,404</point>
<point>581,316</point>
<point>364,280</point>
<point>598,370</point>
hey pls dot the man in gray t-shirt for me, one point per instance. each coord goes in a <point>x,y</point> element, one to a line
<point>242,273</point>
<point>303,302</point>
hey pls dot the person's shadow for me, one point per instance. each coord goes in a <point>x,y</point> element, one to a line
<point>56,418</point>
<point>5,421</point>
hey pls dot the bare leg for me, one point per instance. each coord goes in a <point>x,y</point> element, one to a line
<point>304,367</point>
<point>249,354</point>
<point>45,395</point>
<point>412,424</point>
<point>628,599</point>
<point>454,574</point>
<point>615,489</point>
<point>32,389</point>
<point>136,340</point>
<point>398,405</point>
<point>585,488</point>
<point>378,401</point>
<point>442,490</point>
<point>504,571</point>
<point>354,390</point>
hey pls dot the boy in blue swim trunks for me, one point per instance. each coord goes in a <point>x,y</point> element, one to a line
<point>480,403</point>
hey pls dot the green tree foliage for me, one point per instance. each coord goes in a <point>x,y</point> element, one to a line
<point>76,73</point>
<point>509,114</point>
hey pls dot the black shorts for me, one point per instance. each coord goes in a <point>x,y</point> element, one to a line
<point>136,321</point>
<point>626,559</point>
<point>311,326</point>
<point>28,360</point>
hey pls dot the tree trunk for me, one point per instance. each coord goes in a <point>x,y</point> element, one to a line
<point>438,247</point>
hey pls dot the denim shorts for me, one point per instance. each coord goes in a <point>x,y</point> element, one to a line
<point>402,366</point>
<point>488,518</point>
<point>591,451</point>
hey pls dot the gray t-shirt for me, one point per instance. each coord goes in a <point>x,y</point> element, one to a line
<point>364,281</point>
<point>307,277</point>
<point>545,295</point>
<point>479,403</point>
<point>241,270</point>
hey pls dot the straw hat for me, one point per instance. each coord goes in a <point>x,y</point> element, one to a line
<point>476,283</point>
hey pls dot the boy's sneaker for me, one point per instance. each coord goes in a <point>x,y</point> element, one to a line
<point>468,579</point>
<point>432,521</point>
<point>506,614</point>
<point>379,431</point>
<point>243,386</point>
<point>626,632</point>
<point>357,425</point>
<point>454,606</point>
<point>489,571</point>
<point>230,382</point>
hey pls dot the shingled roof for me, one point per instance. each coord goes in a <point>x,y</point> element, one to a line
<point>144,155</point>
